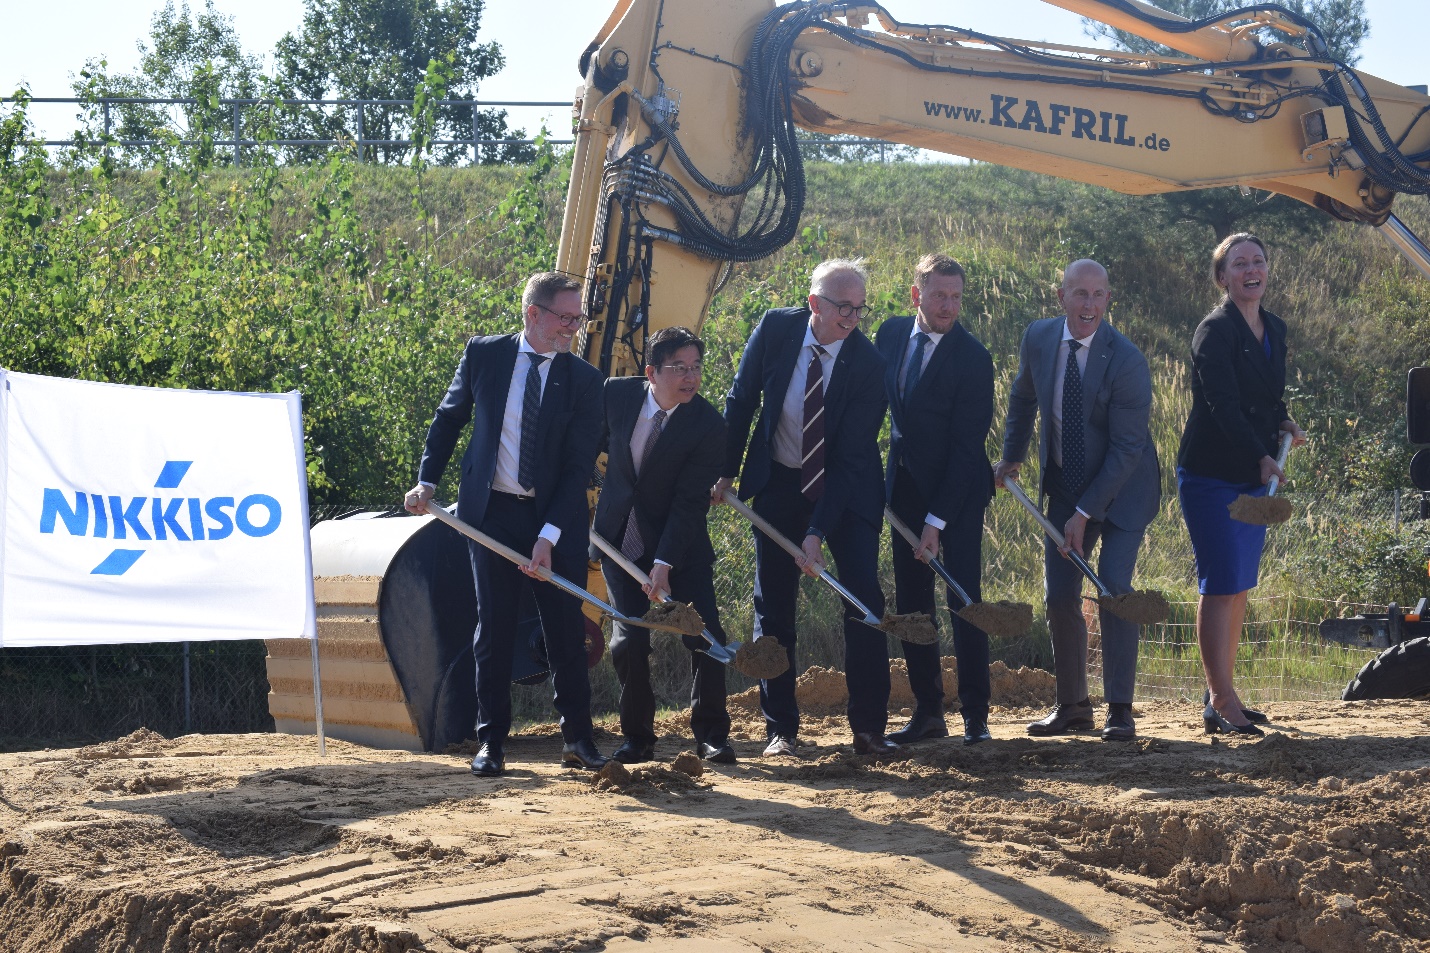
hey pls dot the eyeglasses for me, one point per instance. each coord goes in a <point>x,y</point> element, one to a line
<point>684,370</point>
<point>844,309</point>
<point>567,320</point>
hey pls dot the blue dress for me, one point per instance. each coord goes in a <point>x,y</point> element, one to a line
<point>1227,551</point>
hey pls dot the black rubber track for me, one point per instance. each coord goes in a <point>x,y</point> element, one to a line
<point>1401,671</point>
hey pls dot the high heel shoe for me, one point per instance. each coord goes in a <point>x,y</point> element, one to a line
<point>1252,715</point>
<point>1214,722</point>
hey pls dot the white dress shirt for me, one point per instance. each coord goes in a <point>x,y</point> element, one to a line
<point>1060,371</point>
<point>789,435</point>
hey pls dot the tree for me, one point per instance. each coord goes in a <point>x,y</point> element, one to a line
<point>1344,25</point>
<point>193,56</point>
<point>380,49</point>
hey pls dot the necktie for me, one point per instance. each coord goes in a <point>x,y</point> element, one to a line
<point>811,468</point>
<point>530,411</point>
<point>916,366</point>
<point>1074,450</point>
<point>632,546</point>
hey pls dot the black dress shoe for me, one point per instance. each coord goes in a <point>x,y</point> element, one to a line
<point>1252,715</point>
<point>781,746</point>
<point>920,726</point>
<point>975,730</point>
<point>872,742</point>
<point>489,762</point>
<point>583,754</point>
<point>1062,719</point>
<point>1120,726</point>
<point>716,754</point>
<point>632,752</point>
<point>1214,722</point>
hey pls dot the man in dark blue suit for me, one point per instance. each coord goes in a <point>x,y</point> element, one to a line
<point>940,385</point>
<point>536,426</point>
<point>814,471</point>
<point>666,444</point>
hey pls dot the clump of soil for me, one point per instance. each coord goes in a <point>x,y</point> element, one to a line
<point>1260,510</point>
<point>1001,619</point>
<point>761,658</point>
<point>1021,687</point>
<point>1141,607</point>
<point>915,627</point>
<point>613,774</point>
<point>688,763</point>
<point>679,614</point>
<point>142,743</point>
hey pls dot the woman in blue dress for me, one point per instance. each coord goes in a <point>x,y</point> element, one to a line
<point>1229,448</point>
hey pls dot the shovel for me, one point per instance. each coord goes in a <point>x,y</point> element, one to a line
<point>1002,620</point>
<point>917,628</point>
<point>1268,509</point>
<point>560,582</point>
<point>724,654</point>
<point>1143,608</point>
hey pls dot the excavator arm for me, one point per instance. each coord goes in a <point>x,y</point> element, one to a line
<point>687,160</point>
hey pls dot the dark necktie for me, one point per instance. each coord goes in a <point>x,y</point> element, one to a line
<point>916,367</point>
<point>1074,448</point>
<point>530,411</point>
<point>811,468</point>
<point>632,546</point>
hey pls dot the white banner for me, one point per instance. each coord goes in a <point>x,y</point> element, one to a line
<point>141,514</point>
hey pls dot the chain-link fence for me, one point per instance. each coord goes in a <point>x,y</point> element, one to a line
<point>62,696</point>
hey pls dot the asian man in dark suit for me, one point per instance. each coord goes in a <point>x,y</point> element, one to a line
<point>1093,391</point>
<point>535,411</point>
<point>940,387</point>
<point>814,471</point>
<point>665,446</point>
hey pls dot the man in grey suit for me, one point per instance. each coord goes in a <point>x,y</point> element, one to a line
<point>1099,470</point>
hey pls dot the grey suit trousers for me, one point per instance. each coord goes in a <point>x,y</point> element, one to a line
<point>1063,583</point>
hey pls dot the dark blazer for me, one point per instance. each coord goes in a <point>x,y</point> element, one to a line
<point>943,425</point>
<point>568,434</point>
<point>854,405</point>
<point>1237,396</point>
<point>672,494</point>
<point>1126,481</point>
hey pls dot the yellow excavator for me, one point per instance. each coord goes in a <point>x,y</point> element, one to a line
<point>687,161</point>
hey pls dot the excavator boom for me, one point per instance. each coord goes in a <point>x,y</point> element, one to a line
<point>687,159</point>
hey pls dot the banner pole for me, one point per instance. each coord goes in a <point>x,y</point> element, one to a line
<point>318,702</point>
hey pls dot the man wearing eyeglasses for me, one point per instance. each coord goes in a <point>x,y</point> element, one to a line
<point>814,471</point>
<point>940,385</point>
<point>536,427</point>
<point>665,445</point>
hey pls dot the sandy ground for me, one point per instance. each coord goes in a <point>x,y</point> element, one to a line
<point>1314,837</point>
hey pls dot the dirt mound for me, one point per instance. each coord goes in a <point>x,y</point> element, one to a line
<point>913,627</point>
<point>1260,510</point>
<point>822,691</point>
<point>142,743</point>
<point>1143,608</point>
<point>761,658</point>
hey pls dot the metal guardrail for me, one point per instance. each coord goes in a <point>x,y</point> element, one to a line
<point>360,141</point>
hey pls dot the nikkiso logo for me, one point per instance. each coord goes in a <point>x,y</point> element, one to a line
<point>157,519</point>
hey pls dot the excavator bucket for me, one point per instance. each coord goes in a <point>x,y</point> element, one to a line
<point>396,613</point>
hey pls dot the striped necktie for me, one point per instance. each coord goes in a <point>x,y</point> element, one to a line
<point>530,411</point>
<point>811,468</point>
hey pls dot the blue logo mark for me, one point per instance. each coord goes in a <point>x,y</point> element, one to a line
<point>177,517</point>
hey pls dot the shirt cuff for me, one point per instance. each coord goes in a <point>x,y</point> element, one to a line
<point>425,483</point>
<point>1084,512</point>
<point>661,562</point>
<point>550,533</point>
<point>935,522</point>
